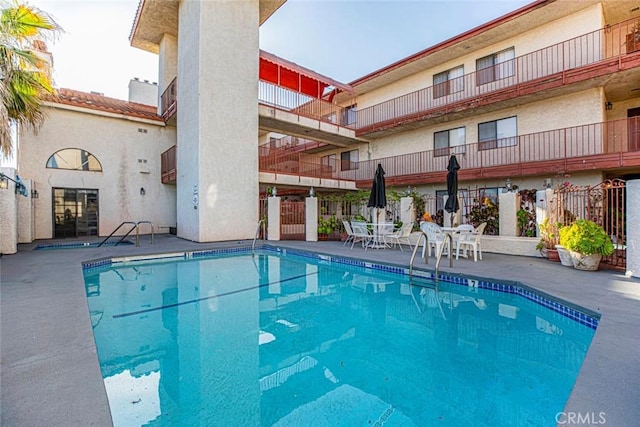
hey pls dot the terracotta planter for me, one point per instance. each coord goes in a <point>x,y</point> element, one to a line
<point>585,262</point>
<point>552,255</point>
<point>565,256</point>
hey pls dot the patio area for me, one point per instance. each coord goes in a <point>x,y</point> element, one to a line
<point>49,367</point>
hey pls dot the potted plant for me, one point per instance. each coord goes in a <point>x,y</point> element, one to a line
<point>548,240</point>
<point>587,243</point>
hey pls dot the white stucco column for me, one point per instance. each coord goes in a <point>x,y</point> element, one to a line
<point>544,199</point>
<point>217,120</point>
<point>311,219</point>
<point>9,215</point>
<point>26,214</point>
<point>273,215</point>
<point>633,231</point>
<point>509,205</point>
<point>407,213</point>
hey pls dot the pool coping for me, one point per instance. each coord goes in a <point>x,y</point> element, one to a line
<point>48,340</point>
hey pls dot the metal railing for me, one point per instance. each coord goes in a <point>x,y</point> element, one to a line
<point>138,231</point>
<point>301,104</point>
<point>135,226</point>
<point>535,68</point>
<point>610,140</point>
<point>169,100</point>
<point>168,165</point>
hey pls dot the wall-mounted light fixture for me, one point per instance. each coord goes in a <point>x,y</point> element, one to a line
<point>548,182</point>
<point>4,182</point>
<point>34,194</point>
<point>142,191</point>
<point>507,185</point>
<point>608,106</point>
<point>312,192</point>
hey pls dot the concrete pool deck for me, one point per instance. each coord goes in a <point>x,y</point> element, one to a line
<point>49,371</point>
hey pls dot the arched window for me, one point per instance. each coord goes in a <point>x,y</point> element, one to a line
<point>74,159</point>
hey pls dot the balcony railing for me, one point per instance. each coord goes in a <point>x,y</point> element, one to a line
<point>606,43</point>
<point>168,100</point>
<point>304,105</point>
<point>168,166</point>
<point>292,144</point>
<point>604,145</point>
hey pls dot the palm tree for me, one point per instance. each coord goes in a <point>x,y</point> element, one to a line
<point>24,74</point>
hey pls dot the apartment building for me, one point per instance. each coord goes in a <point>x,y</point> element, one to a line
<point>545,94</point>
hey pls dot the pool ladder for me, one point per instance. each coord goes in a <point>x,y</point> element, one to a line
<point>135,226</point>
<point>253,245</point>
<point>426,257</point>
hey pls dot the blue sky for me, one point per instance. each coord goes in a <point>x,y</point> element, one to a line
<point>343,39</point>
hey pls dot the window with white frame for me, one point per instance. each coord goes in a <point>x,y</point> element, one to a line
<point>448,142</point>
<point>496,66</point>
<point>448,82</point>
<point>349,160</point>
<point>498,133</point>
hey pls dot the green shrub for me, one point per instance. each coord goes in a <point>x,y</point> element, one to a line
<point>586,237</point>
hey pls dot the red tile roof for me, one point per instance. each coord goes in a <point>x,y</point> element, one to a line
<point>99,102</point>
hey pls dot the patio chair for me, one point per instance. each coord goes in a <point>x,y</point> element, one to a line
<point>471,241</point>
<point>436,238</point>
<point>349,231</point>
<point>360,233</point>
<point>400,236</point>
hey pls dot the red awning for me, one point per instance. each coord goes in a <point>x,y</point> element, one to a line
<point>281,72</point>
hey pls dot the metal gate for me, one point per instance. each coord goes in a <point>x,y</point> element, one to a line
<point>292,220</point>
<point>603,204</point>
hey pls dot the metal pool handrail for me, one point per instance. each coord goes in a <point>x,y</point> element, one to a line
<point>135,226</point>
<point>426,258</point>
<point>253,245</point>
<point>138,231</point>
<point>415,249</point>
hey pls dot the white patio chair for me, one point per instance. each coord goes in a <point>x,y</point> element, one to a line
<point>349,231</point>
<point>400,236</point>
<point>471,241</point>
<point>360,233</point>
<point>436,238</point>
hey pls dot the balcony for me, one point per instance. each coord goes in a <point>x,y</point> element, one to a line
<point>613,145</point>
<point>599,146</point>
<point>168,101</point>
<point>168,166</point>
<point>578,60</point>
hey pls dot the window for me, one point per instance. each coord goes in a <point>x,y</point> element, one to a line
<point>448,82</point>
<point>495,67</point>
<point>498,133</point>
<point>348,115</point>
<point>328,163</point>
<point>74,159</point>
<point>444,140</point>
<point>349,160</point>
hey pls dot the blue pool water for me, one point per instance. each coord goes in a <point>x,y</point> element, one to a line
<point>236,340</point>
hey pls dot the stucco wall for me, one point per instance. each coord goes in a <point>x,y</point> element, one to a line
<point>585,21</point>
<point>8,215</point>
<point>585,107</point>
<point>122,147</point>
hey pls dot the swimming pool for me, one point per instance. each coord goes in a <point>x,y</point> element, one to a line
<point>282,339</point>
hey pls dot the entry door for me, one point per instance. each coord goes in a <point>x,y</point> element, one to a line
<point>634,129</point>
<point>75,212</point>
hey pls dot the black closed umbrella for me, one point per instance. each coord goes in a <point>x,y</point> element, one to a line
<point>377,198</point>
<point>452,206</point>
